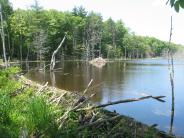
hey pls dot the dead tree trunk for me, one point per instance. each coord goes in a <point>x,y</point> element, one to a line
<point>53,59</point>
<point>171,74</point>
<point>3,39</point>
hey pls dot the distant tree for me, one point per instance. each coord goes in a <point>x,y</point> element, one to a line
<point>109,32</point>
<point>38,43</point>
<point>6,10</point>
<point>93,35</point>
<point>36,7</point>
<point>79,11</point>
<point>3,37</point>
<point>19,28</point>
<point>35,34</point>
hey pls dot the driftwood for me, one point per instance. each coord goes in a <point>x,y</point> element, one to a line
<point>42,88</point>
<point>93,117</point>
<point>88,87</point>
<point>159,98</point>
<point>82,100</point>
<point>99,121</point>
<point>57,100</point>
<point>53,59</point>
<point>82,97</point>
<point>65,116</point>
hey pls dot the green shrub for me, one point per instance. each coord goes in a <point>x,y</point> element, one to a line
<point>40,117</point>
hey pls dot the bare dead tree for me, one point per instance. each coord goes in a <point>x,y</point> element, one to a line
<point>3,37</point>
<point>171,75</point>
<point>53,59</point>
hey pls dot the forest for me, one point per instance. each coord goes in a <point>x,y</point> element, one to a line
<point>34,34</point>
<point>32,104</point>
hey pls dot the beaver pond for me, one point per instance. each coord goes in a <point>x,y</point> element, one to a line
<point>124,79</point>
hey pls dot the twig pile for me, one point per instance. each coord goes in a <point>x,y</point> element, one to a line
<point>90,117</point>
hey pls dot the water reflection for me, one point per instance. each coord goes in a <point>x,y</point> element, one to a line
<point>120,80</point>
<point>53,79</point>
<point>171,122</point>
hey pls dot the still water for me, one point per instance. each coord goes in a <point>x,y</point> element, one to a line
<point>121,80</point>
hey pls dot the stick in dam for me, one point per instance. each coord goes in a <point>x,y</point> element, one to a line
<point>158,98</point>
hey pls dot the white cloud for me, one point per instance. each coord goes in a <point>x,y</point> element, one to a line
<point>159,3</point>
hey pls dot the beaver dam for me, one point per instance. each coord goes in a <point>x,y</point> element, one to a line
<point>92,120</point>
<point>124,80</point>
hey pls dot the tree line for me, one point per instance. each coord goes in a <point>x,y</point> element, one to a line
<point>33,34</point>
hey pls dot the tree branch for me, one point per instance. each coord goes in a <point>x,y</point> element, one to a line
<point>158,98</point>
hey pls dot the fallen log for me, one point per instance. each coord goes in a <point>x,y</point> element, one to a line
<point>158,98</point>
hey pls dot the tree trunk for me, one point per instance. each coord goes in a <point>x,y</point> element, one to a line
<point>21,45</point>
<point>53,59</point>
<point>3,39</point>
<point>137,53</point>
<point>9,45</point>
<point>27,57</point>
<point>125,52</point>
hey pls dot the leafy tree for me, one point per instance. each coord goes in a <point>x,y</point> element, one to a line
<point>93,35</point>
<point>5,11</point>
<point>177,4</point>
<point>36,33</point>
<point>79,11</point>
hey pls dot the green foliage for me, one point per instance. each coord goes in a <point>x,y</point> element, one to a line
<point>7,123</point>
<point>40,117</point>
<point>79,11</point>
<point>177,4</point>
<point>24,110</point>
<point>37,33</point>
<point>6,8</point>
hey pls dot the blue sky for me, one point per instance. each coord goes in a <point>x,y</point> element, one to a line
<point>144,17</point>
